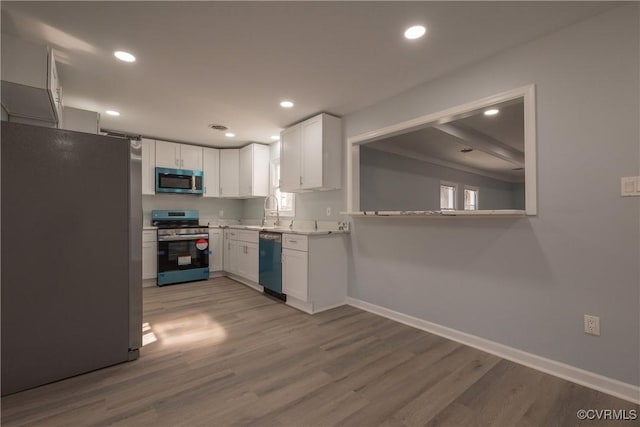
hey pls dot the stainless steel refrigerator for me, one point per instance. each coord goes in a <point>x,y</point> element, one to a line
<point>71,255</point>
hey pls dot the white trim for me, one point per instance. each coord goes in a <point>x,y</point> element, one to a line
<point>527,92</point>
<point>592,380</point>
<point>299,305</point>
<point>329,307</point>
<point>500,213</point>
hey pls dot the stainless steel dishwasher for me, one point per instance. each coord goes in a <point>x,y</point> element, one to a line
<point>270,264</point>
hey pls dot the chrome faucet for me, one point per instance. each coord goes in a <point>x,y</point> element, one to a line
<point>266,202</point>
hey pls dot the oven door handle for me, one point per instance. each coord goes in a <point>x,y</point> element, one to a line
<point>183,237</point>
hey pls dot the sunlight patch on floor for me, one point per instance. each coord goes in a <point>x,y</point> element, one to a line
<point>190,329</point>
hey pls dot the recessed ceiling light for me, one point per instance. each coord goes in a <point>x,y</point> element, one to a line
<point>415,32</point>
<point>229,134</point>
<point>491,112</point>
<point>124,56</point>
<point>112,113</point>
<point>275,137</point>
<point>286,104</point>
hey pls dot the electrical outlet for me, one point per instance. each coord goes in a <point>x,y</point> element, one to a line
<point>221,213</point>
<point>329,211</point>
<point>592,325</point>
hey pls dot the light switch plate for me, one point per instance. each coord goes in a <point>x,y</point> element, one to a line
<point>630,186</point>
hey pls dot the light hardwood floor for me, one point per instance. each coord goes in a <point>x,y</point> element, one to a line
<point>227,355</point>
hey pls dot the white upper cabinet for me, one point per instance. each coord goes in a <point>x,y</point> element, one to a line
<point>191,157</point>
<point>310,156</point>
<point>178,156</point>
<point>290,158</point>
<point>148,166</point>
<point>254,171</point>
<point>167,155</point>
<point>31,90</point>
<point>230,172</point>
<point>211,170</point>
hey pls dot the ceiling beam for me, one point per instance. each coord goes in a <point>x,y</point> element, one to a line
<point>482,142</point>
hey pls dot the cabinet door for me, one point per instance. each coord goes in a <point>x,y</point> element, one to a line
<point>246,171</point>
<point>232,256</point>
<point>294,274</point>
<point>215,245</point>
<point>312,153</point>
<point>190,157</point>
<point>167,155</point>
<point>229,172</point>
<point>260,173</point>
<point>290,157</point>
<point>149,260</point>
<point>148,166</point>
<point>251,261</point>
<point>247,266</point>
<point>211,170</point>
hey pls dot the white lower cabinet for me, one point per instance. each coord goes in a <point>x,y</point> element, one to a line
<point>314,271</point>
<point>241,253</point>
<point>295,266</point>
<point>248,261</point>
<point>149,254</point>
<point>215,247</point>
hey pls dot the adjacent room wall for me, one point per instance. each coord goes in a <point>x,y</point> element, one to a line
<point>390,182</point>
<point>527,283</point>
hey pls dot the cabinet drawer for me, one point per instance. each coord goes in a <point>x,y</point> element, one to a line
<point>295,241</point>
<point>149,236</point>
<point>248,236</point>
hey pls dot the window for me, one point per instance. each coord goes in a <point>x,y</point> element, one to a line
<point>471,198</point>
<point>286,201</point>
<point>447,196</point>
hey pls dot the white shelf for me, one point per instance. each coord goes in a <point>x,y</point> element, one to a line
<point>438,214</point>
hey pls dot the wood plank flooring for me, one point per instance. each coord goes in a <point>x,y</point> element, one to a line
<point>226,355</point>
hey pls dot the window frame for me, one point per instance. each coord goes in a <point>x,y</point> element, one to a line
<point>464,198</point>
<point>453,185</point>
<point>274,188</point>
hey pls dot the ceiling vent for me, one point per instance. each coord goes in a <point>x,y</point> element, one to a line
<point>221,128</point>
<point>466,150</point>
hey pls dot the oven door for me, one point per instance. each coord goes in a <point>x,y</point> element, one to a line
<point>183,253</point>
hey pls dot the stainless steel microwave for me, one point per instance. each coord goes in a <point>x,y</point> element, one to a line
<point>178,181</point>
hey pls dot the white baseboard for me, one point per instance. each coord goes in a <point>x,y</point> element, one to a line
<point>329,307</point>
<point>598,382</point>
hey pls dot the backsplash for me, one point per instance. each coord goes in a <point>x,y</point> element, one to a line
<point>208,208</point>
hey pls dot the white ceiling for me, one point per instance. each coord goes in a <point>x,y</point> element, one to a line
<point>231,63</point>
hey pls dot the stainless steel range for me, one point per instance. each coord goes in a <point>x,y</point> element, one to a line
<point>183,247</point>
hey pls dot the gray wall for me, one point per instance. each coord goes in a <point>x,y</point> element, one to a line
<point>390,182</point>
<point>527,283</point>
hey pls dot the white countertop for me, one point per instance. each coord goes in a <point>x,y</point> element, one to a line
<point>283,230</point>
